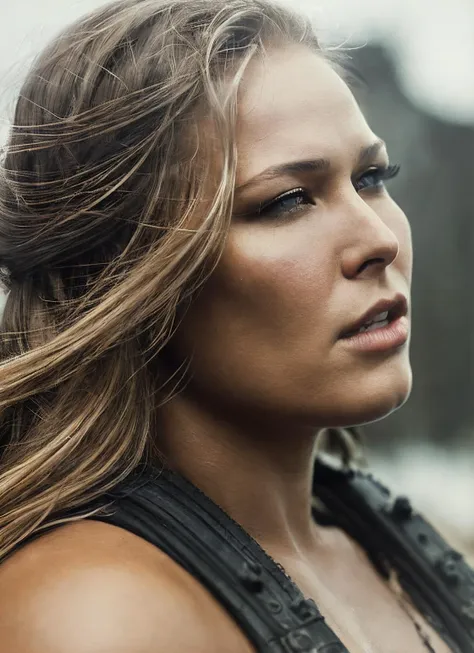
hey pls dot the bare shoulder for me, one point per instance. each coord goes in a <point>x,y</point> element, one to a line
<point>91,587</point>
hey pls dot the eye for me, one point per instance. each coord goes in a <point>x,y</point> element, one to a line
<point>290,202</point>
<point>375,177</point>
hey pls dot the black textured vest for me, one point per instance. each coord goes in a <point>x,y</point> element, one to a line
<point>171,513</point>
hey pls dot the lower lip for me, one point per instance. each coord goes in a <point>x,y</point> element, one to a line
<point>389,337</point>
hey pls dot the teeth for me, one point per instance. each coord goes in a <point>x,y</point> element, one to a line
<point>378,322</point>
<point>374,325</point>
<point>380,317</point>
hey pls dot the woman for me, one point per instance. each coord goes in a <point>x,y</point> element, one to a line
<point>205,271</point>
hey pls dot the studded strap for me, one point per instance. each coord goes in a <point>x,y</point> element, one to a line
<point>171,513</point>
<point>174,515</point>
<point>437,579</point>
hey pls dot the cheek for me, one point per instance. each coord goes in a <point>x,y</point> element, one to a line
<point>276,277</point>
<point>263,310</point>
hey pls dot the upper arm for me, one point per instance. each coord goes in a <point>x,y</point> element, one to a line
<point>106,603</point>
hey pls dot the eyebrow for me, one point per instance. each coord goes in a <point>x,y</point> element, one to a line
<point>366,156</point>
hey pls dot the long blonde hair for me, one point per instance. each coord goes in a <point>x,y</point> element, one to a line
<point>103,236</point>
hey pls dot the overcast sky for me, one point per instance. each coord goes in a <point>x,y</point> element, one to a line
<point>433,42</point>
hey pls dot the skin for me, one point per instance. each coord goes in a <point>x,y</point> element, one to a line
<point>268,371</point>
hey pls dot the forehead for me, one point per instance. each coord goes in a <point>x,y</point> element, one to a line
<point>293,104</point>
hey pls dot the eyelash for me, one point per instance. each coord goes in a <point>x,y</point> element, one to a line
<point>377,175</point>
<point>381,174</point>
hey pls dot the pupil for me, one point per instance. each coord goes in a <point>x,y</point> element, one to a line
<point>289,202</point>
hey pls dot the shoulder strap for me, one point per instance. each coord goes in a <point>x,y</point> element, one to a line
<point>437,579</point>
<point>174,515</point>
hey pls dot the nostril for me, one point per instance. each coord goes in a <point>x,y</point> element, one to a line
<point>371,262</point>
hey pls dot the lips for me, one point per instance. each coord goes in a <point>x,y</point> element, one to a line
<point>381,314</point>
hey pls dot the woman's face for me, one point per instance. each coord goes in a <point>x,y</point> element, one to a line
<point>264,336</point>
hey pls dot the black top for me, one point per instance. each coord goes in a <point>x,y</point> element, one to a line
<point>174,515</point>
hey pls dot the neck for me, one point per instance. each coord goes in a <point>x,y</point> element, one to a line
<point>261,479</point>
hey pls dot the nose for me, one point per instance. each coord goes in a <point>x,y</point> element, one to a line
<point>373,245</point>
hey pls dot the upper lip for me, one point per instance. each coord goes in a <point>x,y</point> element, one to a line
<point>396,307</point>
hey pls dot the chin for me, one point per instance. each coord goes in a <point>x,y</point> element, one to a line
<point>370,400</point>
<point>380,409</point>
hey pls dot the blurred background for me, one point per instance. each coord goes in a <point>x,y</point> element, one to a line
<point>415,60</point>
